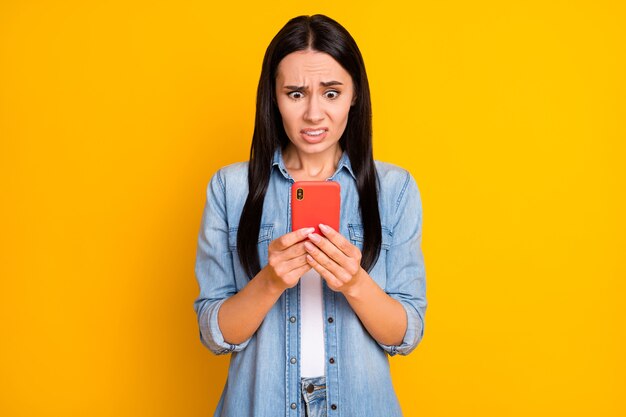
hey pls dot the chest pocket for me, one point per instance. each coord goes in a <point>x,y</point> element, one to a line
<point>266,233</point>
<point>379,271</point>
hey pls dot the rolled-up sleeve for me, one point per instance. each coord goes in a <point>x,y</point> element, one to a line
<point>214,269</point>
<point>406,278</point>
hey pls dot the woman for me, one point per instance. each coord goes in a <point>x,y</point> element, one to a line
<point>310,319</point>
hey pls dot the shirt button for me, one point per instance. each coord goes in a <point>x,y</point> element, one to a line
<point>330,319</point>
<point>293,406</point>
<point>292,319</point>
<point>331,360</point>
<point>292,360</point>
<point>333,407</point>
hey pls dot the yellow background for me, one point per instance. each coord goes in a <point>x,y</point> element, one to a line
<point>510,115</point>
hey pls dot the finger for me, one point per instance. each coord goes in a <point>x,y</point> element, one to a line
<point>332,281</point>
<point>298,272</point>
<point>286,267</point>
<point>290,238</point>
<point>339,241</point>
<point>293,251</point>
<point>326,262</point>
<point>295,263</point>
<point>329,249</point>
<point>276,258</point>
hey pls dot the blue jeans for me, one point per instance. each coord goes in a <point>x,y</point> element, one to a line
<point>314,396</point>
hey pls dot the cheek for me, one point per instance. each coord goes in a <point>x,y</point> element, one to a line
<point>340,115</point>
<point>288,116</point>
<point>288,126</point>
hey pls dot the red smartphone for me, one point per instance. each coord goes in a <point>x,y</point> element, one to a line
<point>315,202</point>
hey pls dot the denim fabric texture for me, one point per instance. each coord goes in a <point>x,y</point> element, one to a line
<point>263,375</point>
<point>314,396</point>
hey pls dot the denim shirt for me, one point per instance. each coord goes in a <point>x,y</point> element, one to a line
<point>263,376</point>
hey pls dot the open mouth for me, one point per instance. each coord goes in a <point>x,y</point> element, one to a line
<point>313,135</point>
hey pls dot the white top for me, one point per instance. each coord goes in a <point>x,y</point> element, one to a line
<point>312,325</point>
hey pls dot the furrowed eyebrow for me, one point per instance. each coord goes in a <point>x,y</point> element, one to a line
<point>304,87</point>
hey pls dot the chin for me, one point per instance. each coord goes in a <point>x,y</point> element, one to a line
<point>312,148</point>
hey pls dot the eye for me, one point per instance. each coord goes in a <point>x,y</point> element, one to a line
<point>292,95</point>
<point>332,94</point>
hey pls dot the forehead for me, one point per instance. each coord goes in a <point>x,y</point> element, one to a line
<point>306,64</point>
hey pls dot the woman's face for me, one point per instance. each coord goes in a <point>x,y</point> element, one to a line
<point>314,94</point>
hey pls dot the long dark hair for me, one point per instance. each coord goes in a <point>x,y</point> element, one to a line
<point>323,34</point>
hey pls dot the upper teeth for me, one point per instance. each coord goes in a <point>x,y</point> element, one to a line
<point>315,132</point>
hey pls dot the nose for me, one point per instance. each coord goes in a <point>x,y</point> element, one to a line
<point>315,110</point>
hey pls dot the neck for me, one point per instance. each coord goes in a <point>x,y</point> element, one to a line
<point>311,167</point>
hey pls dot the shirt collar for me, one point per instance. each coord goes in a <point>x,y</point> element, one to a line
<point>344,162</point>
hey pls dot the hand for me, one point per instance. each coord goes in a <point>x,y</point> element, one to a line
<point>287,259</point>
<point>335,259</point>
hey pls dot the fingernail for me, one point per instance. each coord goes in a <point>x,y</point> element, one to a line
<point>308,230</point>
<point>308,246</point>
<point>315,237</point>
<point>324,228</point>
